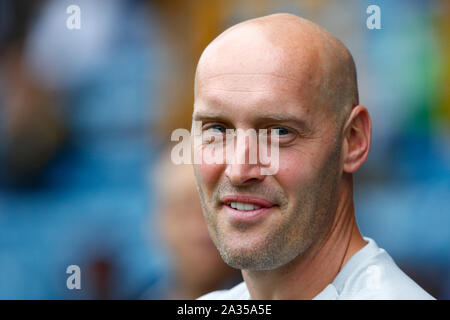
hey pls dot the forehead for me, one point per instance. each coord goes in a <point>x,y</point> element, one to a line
<point>248,71</point>
<point>254,95</point>
<point>253,49</point>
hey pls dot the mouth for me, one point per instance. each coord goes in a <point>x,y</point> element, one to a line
<point>242,208</point>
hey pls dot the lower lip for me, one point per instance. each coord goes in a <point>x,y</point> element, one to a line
<point>247,216</point>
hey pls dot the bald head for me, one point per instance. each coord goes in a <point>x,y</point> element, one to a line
<point>286,47</point>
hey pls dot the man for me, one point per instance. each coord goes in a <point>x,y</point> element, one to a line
<point>293,234</point>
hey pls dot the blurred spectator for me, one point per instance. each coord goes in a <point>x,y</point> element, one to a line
<point>195,266</point>
<point>32,130</point>
<point>76,109</point>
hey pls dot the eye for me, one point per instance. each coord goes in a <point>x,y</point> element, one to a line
<point>280,131</point>
<point>285,135</point>
<point>217,128</point>
<point>213,133</point>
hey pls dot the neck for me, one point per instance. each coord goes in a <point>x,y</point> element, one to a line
<point>308,274</point>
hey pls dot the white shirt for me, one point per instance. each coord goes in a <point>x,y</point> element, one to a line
<point>369,274</point>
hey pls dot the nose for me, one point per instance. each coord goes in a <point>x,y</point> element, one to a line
<point>243,174</point>
<point>242,170</point>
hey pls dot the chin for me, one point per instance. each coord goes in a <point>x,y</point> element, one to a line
<point>259,253</point>
<point>249,257</point>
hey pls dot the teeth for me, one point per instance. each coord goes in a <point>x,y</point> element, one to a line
<point>243,206</point>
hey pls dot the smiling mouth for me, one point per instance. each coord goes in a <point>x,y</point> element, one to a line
<point>246,210</point>
<point>246,203</point>
<point>242,206</point>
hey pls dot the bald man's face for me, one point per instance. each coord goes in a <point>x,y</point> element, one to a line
<point>245,81</point>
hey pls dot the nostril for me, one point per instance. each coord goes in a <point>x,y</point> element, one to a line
<point>252,180</point>
<point>240,175</point>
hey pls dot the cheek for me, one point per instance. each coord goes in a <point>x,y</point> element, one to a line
<point>207,172</point>
<point>296,169</point>
<point>208,175</point>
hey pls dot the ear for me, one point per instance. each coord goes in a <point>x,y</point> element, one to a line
<point>357,135</point>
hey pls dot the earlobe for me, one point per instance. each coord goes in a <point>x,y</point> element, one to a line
<point>357,136</point>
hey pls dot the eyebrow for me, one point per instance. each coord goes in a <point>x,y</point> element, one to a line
<point>206,115</point>
<point>264,118</point>
<point>301,124</point>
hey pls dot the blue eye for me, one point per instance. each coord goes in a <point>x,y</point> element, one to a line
<point>218,128</point>
<point>280,131</point>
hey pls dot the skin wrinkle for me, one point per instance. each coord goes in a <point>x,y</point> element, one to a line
<point>251,74</point>
<point>286,64</point>
<point>236,90</point>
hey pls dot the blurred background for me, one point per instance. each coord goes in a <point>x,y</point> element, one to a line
<point>85,122</point>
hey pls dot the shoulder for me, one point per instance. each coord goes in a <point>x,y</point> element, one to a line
<point>379,277</point>
<point>238,292</point>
